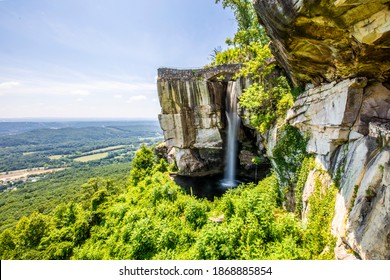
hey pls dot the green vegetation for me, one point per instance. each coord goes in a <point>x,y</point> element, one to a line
<point>353,199</point>
<point>320,218</point>
<point>249,38</point>
<point>146,215</point>
<point>55,188</point>
<point>113,148</point>
<point>52,148</point>
<point>55,157</point>
<point>83,150</point>
<point>150,217</point>
<point>292,164</point>
<point>340,168</point>
<point>308,164</point>
<point>265,104</point>
<point>289,153</point>
<point>91,157</point>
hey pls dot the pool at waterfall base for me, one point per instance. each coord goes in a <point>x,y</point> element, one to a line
<point>208,186</point>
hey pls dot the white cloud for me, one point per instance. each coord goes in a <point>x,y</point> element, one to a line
<point>136,98</point>
<point>81,96</point>
<point>8,85</point>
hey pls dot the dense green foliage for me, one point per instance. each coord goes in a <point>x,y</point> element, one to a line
<point>152,218</point>
<point>307,165</point>
<point>264,104</point>
<point>289,153</point>
<point>44,195</point>
<point>249,42</point>
<point>148,216</point>
<point>249,30</point>
<point>142,165</point>
<point>291,164</point>
<point>320,216</point>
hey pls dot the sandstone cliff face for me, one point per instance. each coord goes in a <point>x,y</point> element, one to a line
<point>323,40</point>
<point>355,150</point>
<point>342,48</point>
<point>193,117</point>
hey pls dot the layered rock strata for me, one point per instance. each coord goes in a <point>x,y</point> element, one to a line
<point>324,40</point>
<point>349,135</point>
<point>193,116</point>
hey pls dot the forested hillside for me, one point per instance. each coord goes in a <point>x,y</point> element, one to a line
<point>58,144</point>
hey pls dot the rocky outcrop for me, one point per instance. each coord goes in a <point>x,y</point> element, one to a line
<point>339,112</point>
<point>193,117</point>
<point>348,125</point>
<point>324,40</point>
<point>209,73</point>
<point>362,205</point>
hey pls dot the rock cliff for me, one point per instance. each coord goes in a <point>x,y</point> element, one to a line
<point>339,51</point>
<point>348,125</point>
<point>193,118</point>
<point>324,40</point>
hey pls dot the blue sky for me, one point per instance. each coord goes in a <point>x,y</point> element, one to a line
<point>99,59</point>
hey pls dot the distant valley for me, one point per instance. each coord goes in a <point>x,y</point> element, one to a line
<point>45,163</point>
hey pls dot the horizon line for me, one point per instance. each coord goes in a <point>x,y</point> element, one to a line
<point>70,119</point>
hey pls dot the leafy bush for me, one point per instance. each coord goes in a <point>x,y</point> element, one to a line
<point>321,212</point>
<point>288,154</point>
<point>195,213</point>
<point>219,242</point>
<point>142,164</point>
<point>249,34</point>
<point>307,165</point>
<point>265,104</point>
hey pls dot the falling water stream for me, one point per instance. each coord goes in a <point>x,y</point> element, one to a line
<point>233,123</point>
<point>214,185</point>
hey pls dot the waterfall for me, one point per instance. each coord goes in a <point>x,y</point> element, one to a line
<point>233,122</point>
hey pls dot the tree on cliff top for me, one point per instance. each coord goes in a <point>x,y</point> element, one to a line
<point>249,30</point>
<point>249,43</point>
